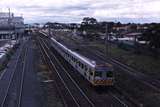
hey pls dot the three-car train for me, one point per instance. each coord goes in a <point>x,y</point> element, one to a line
<point>96,74</point>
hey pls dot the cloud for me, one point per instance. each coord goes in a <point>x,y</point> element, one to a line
<point>75,10</point>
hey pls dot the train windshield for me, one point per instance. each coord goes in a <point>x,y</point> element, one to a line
<point>99,72</point>
<point>109,74</point>
<point>103,72</point>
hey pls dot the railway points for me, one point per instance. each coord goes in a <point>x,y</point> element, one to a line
<point>139,82</point>
<point>67,76</point>
<point>68,58</point>
<point>72,87</point>
<point>111,97</point>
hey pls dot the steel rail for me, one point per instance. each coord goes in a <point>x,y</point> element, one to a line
<point>62,80</point>
<point>82,92</point>
<point>12,76</point>
<point>22,79</point>
<point>57,87</point>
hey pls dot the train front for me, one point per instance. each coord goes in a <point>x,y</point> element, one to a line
<point>104,75</point>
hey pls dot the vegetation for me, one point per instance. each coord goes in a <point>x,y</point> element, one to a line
<point>144,63</point>
<point>93,28</point>
<point>8,57</point>
<point>1,67</point>
<point>153,36</point>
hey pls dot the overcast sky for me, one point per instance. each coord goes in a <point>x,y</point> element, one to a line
<point>75,10</point>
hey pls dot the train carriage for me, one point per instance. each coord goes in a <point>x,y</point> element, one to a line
<point>97,75</point>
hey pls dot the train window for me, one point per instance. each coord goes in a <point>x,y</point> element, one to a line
<point>98,74</point>
<point>90,70</point>
<point>75,59</point>
<point>89,78</point>
<point>91,73</point>
<point>82,66</point>
<point>85,67</point>
<point>109,74</point>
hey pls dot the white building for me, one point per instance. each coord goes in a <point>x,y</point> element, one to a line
<point>10,26</point>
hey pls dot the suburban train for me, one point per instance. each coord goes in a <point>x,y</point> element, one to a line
<point>96,74</point>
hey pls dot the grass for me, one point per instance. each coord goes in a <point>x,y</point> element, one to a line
<point>145,64</point>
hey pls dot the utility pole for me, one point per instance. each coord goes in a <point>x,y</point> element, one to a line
<point>49,30</point>
<point>106,43</point>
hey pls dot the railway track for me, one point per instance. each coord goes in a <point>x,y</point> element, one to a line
<point>114,96</point>
<point>155,84</point>
<point>13,92</point>
<point>141,79</point>
<point>45,60</point>
<point>148,81</point>
<point>78,97</point>
<point>145,80</point>
<point>117,92</point>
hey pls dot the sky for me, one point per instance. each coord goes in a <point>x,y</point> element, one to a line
<point>71,11</point>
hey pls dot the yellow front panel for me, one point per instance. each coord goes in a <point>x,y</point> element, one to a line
<point>108,82</point>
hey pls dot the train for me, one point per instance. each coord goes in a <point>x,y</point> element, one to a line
<point>96,74</point>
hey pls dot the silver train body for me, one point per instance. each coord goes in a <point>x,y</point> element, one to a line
<point>97,75</point>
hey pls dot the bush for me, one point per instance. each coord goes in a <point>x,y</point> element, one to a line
<point>1,67</point>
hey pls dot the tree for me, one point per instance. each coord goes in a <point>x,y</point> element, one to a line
<point>109,26</point>
<point>90,26</point>
<point>119,24</point>
<point>153,36</point>
<point>89,21</point>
